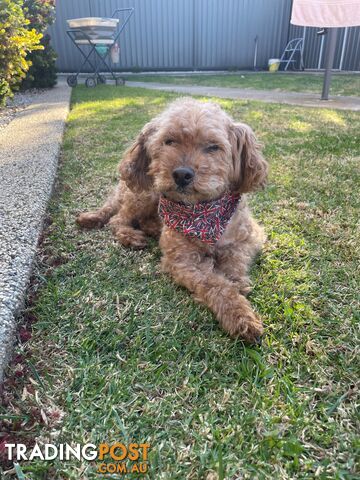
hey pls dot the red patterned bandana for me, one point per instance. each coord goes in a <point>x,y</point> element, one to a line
<point>203,220</point>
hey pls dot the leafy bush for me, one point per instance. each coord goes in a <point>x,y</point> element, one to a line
<point>41,13</point>
<point>16,41</point>
<point>42,72</point>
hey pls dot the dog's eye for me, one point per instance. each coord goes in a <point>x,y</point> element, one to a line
<point>169,141</point>
<point>212,148</point>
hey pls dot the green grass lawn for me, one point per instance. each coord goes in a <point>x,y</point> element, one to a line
<point>120,353</point>
<point>340,84</point>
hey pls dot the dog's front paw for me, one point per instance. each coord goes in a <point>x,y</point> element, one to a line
<point>244,323</point>
<point>254,331</point>
<point>130,237</point>
<point>90,220</point>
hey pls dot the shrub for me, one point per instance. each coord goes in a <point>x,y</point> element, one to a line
<point>41,13</point>
<point>16,41</point>
<point>42,72</point>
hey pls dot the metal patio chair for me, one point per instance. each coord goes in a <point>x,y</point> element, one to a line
<point>289,54</point>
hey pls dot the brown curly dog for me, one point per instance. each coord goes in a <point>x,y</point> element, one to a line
<point>199,164</point>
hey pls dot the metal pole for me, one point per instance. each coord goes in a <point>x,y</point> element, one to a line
<point>321,51</point>
<point>343,48</point>
<point>329,61</point>
<point>302,66</point>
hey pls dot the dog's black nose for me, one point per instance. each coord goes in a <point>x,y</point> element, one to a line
<point>183,176</point>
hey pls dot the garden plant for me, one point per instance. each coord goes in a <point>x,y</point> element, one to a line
<point>17,40</point>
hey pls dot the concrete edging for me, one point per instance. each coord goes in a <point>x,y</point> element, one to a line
<point>29,152</point>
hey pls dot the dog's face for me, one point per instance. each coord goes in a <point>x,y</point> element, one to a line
<point>193,151</point>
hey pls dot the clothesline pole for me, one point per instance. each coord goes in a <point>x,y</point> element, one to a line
<point>329,62</point>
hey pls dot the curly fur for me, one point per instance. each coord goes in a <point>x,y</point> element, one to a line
<point>225,157</point>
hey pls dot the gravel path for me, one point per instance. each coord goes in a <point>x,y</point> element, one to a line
<point>29,149</point>
<point>269,96</point>
<point>14,106</point>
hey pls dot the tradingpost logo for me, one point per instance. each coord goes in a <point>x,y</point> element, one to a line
<point>111,458</point>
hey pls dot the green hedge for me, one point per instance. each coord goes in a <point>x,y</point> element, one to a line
<point>42,72</point>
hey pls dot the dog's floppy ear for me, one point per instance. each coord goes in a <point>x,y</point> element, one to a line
<point>249,167</point>
<point>134,168</point>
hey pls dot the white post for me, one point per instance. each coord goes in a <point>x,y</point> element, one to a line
<point>302,50</point>
<point>321,51</point>
<point>343,48</point>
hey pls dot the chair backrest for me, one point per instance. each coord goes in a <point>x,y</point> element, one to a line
<point>295,44</point>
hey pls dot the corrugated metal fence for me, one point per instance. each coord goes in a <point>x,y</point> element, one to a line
<point>197,34</point>
<point>312,56</point>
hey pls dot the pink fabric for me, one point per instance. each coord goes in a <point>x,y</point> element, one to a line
<point>326,13</point>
